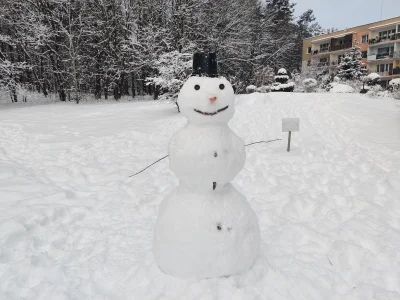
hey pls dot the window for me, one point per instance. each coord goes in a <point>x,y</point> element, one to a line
<point>386,69</point>
<point>364,54</point>
<point>324,47</point>
<point>385,52</point>
<point>364,39</point>
<point>387,34</point>
<point>309,50</point>
<point>398,28</point>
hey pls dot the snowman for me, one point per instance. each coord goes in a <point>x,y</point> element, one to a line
<point>206,228</point>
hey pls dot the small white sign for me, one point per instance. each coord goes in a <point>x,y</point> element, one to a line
<point>290,124</point>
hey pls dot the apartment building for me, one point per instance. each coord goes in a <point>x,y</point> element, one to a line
<point>379,43</point>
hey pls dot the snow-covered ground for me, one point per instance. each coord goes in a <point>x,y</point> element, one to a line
<point>73,225</point>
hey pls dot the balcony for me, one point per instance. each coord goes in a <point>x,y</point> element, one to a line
<point>392,73</point>
<point>341,47</point>
<point>333,63</point>
<point>381,56</point>
<point>378,40</point>
<point>322,51</point>
<point>333,48</point>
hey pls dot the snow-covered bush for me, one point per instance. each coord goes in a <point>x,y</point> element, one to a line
<point>312,70</point>
<point>282,76</point>
<point>282,87</point>
<point>376,91</point>
<point>394,87</point>
<point>264,89</point>
<point>341,88</point>
<point>326,82</point>
<point>310,85</point>
<point>372,79</point>
<point>251,89</point>
<point>282,84</point>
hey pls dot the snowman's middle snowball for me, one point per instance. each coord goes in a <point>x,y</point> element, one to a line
<point>203,154</point>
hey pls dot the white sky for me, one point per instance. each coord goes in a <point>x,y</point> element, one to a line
<point>348,13</point>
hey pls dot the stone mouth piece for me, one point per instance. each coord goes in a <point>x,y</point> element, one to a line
<point>212,113</point>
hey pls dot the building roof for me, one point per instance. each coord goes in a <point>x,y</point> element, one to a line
<point>350,29</point>
<point>384,25</point>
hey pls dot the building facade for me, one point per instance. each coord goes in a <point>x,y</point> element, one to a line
<point>379,43</point>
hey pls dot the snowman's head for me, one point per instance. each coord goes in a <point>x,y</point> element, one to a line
<point>207,100</point>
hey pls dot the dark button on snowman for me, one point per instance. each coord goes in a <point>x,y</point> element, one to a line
<point>206,228</point>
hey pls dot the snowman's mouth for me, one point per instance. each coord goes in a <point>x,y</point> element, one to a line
<point>211,113</point>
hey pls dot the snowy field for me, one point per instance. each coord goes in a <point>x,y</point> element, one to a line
<point>73,225</point>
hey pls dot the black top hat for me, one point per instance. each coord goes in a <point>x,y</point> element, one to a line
<point>205,64</point>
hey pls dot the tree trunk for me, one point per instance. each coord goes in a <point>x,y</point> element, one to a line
<point>125,84</point>
<point>117,93</point>
<point>156,92</point>
<point>13,94</point>
<point>133,85</point>
<point>62,95</point>
<point>97,87</point>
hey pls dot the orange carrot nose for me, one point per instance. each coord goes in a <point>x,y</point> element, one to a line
<point>213,99</point>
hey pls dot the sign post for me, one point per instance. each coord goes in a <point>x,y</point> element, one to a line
<point>289,125</point>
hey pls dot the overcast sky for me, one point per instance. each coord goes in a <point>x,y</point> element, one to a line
<point>348,13</point>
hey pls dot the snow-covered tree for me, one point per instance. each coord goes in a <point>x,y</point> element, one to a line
<point>351,67</point>
<point>281,82</point>
<point>282,76</point>
<point>173,68</point>
<point>263,76</point>
<point>105,47</point>
<point>305,27</point>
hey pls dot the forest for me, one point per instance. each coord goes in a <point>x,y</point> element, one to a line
<point>115,48</point>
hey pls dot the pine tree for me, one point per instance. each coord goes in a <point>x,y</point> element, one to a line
<point>305,27</point>
<point>351,66</point>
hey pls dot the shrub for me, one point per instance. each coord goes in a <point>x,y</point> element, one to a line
<point>264,89</point>
<point>374,91</point>
<point>282,87</point>
<point>282,84</point>
<point>372,79</point>
<point>394,88</point>
<point>282,76</point>
<point>310,85</point>
<point>251,89</point>
<point>340,88</point>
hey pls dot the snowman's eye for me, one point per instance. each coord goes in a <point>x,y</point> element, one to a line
<point>221,86</point>
<point>196,87</point>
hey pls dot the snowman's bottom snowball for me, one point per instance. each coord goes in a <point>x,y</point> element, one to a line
<point>206,235</point>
